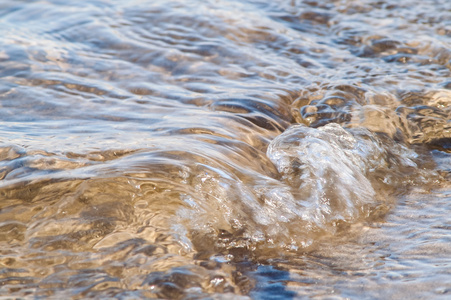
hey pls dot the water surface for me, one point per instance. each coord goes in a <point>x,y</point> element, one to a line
<point>225,149</point>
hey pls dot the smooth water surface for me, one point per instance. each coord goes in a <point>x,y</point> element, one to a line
<point>225,149</point>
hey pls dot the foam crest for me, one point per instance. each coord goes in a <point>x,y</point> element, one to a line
<point>333,176</point>
<point>327,169</point>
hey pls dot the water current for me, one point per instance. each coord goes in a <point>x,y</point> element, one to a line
<point>221,149</point>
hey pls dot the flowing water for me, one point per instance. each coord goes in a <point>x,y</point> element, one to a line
<point>225,149</point>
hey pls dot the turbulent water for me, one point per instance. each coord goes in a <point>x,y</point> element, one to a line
<point>225,149</point>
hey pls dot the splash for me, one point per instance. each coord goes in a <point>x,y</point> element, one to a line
<point>326,177</point>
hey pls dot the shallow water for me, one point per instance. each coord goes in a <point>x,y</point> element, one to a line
<point>224,149</point>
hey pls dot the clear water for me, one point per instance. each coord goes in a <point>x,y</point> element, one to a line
<point>225,149</point>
